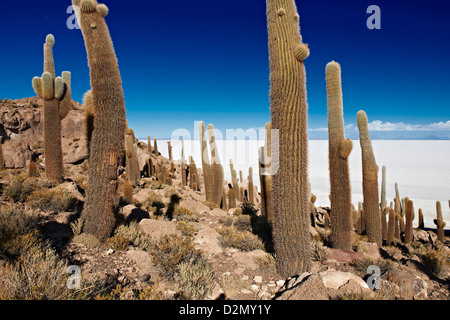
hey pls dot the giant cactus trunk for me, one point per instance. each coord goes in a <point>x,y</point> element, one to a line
<point>216,168</point>
<point>107,145</point>
<point>339,150</point>
<point>56,93</point>
<point>370,181</point>
<point>290,200</point>
<point>206,164</point>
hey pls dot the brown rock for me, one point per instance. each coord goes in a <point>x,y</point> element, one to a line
<point>159,228</point>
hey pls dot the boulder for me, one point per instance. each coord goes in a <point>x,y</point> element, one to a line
<point>249,260</point>
<point>159,228</point>
<point>194,206</point>
<point>207,239</point>
<point>410,286</point>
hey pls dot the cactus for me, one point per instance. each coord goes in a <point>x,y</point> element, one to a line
<point>420,225</point>
<point>231,197</point>
<point>149,144</point>
<point>234,183</point>
<point>217,169</point>
<point>409,221</point>
<point>132,162</point>
<point>383,204</point>
<point>290,200</point>
<point>127,192</point>
<point>88,104</point>
<point>183,165</point>
<point>155,147</point>
<point>265,175</point>
<point>193,174</point>
<point>370,181</point>
<point>391,226</point>
<point>169,147</point>
<point>56,93</point>
<point>33,170</point>
<point>107,145</point>
<point>339,150</point>
<point>439,222</point>
<point>251,188</point>
<point>2,164</point>
<point>206,165</point>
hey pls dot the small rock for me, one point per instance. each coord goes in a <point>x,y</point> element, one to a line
<point>257,279</point>
<point>246,291</point>
<point>280,283</point>
<point>254,287</point>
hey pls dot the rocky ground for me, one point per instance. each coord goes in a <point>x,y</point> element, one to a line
<point>235,242</point>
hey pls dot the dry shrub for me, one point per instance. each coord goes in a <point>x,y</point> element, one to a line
<point>319,252</point>
<point>232,284</point>
<point>134,234</point>
<point>186,229</point>
<point>434,259</point>
<point>87,239</point>
<point>244,241</point>
<point>170,251</point>
<point>52,200</point>
<point>196,279</point>
<point>184,214</point>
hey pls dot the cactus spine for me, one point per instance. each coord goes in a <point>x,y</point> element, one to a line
<point>339,150</point>
<point>290,200</point>
<point>107,145</point>
<point>439,222</point>
<point>370,181</point>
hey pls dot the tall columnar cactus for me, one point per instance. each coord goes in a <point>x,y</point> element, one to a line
<point>383,204</point>
<point>132,162</point>
<point>265,166</point>
<point>206,164</point>
<point>409,221</point>
<point>339,149</point>
<point>391,226</point>
<point>290,200</point>
<point>169,147</point>
<point>55,91</point>
<point>251,186</point>
<point>155,147</point>
<point>2,164</point>
<point>234,182</point>
<point>149,144</point>
<point>183,165</point>
<point>88,109</point>
<point>420,224</point>
<point>193,175</point>
<point>107,145</point>
<point>217,169</point>
<point>439,222</point>
<point>232,198</point>
<point>370,181</point>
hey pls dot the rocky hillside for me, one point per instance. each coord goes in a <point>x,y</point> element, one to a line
<point>169,243</point>
<point>21,128</point>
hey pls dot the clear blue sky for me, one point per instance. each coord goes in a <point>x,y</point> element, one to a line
<point>183,61</point>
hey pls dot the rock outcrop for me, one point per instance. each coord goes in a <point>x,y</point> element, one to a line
<point>21,129</point>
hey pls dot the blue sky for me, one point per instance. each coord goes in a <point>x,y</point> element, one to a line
<point>204,60</point>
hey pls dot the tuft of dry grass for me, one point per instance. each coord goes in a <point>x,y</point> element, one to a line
<point>196,279</point>
<point>434,259</point>
<point>52,200</point>
<point>244,241</point>
<point>319,252</point>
